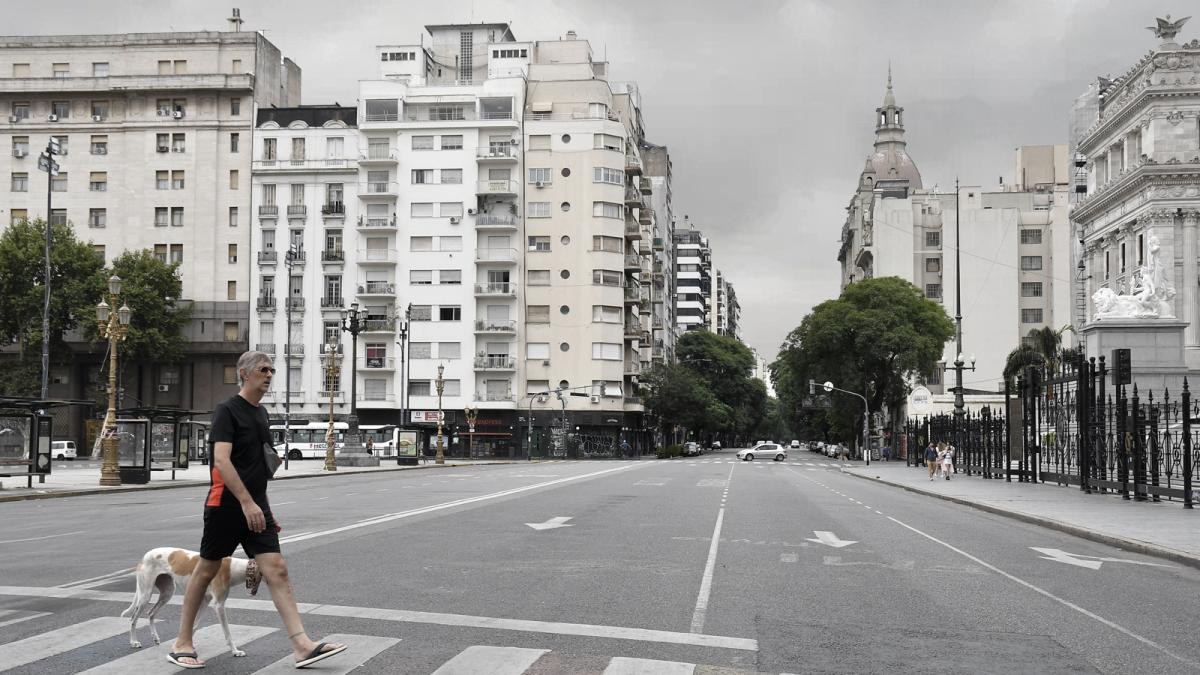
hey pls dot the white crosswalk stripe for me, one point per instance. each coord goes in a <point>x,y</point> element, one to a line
<point>360,649</point>
<point>210,644</point>
<point>8,616</point>
<point>626,666</point>
<point>60,641</point>
<point>491,660</point>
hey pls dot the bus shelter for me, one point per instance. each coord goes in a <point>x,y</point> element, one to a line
<point>26,430</point>
<point>152,439</point>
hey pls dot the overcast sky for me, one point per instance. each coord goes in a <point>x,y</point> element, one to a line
<point>767,106</point>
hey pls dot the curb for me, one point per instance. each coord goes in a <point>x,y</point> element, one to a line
<point>1082,532</point>
<point>194,483</point>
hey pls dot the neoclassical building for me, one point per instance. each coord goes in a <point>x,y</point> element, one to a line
<point>1138,140</point>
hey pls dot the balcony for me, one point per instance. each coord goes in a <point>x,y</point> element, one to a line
<point>268,257</point>
<point>503,153</point>
<point>658,243</point>
<point>633,330</point>
<point>633,164</point>
<point>633,262</point>
<point>506,188</point>
<point>495,396</point>
<point>333,256</point>
<point>268,211</point>
<point>267,348</point>
<point>378,396</point>
<point>378,325</point>
<point>493,221</point>
<point>643,248</point>
<point>496,289</point>
<point>646,186</point>
<point>293,350</point>
<point>633,368</point>
<point>266,302</point>
<point>377,288</point>
<point>296,303</point>
<point>376,223</point>
<point>633,400</point>
<point>295,257</point>
<point>495,363</point>
<point>371,189</point>
<point>332,302</point>
<point>334,210</point>
<point>498,255</point>
<point>498,327</point>
<point>631,295</point>
<point>377,255</point>
<point>377,363</point>
<point>380,155</point>
<point>326,351</point>
<point>299,164</point>
<point>633,231</point>
<point>632,196</point>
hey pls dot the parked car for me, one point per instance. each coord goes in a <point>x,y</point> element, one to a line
<point>772,450</point>
<point>691,449</point>
<point>795,444</point>
<point>716,445</point>
<point>833,450</point>
<point>61,450</point>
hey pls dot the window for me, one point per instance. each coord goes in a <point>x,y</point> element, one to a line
<point>450,209</point>
<point>270,148</point>
<point>234,142</point>
<point>1031,236</point>
<point>177,180</point>
<point>422,142</point>
<point>606,351</point>
<point>161,216</point>
<point>933,291</point>
<point>452,313</point>
<point>1031,315</point>
<point>160,252</point>
<point>162,180</point>
<point>450,277</point>
<point>541,175</point>
<point>449,243</point>
<point>451,142</point>
<point>1031,289</point>
<point>450,350</point>
<point>537,350</point>
<point>539,142</point>
<point>420,277</point>
<point>235,106</point>
<point>20,110</point>
<point>298,153</point>
<point>176,216</point>
<point>606,314</point>
<point>236,67</point>
<point>178,143</point>
<point>64,143</point>
<point>452,176</point>
<point>537,314</point>
<point>421,209</point>
<point>163,142</point>
<point>933,264</point>
<point>61,69</point>
<point>606,210</point>
<point>162,107</point>
<point>539,244</point>
<point>233,216</point>
<point>231,376</point>
<point>420,176</point>
<point>422,313</point>
<point>100,69</point>
<point>297,190</point>
<point>610,244</point>
<point>97,218</point>
<point>609,142</point>
<point>602,174</point>
<point>233,179</point>
<point>180,67</point>
<point>420,244</point>
<point>58,217</point>
<point>538,210</point>
<point>606,278</point>
<point>99,249</point>
<point>20,146</point>
<point>1032,262</point>
<point>933,239</point>
<point>20,70</point>
<point>100,109</point>
<point>418,387</point>
<point>538,277</point>
<point>419,350</point>
<point>18,215</point>
<point>231,331</point>
<point>98,181</point>
<point>231,290</point>
<point>20,182</point>
<point>59,183</point>
<point>99,145</point>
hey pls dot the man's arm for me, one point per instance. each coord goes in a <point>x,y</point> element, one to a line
<point>255,519</point>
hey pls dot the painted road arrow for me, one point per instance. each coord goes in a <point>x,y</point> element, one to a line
<point>829,539</point>
<point>1089,561</point>
<point>555,522</point>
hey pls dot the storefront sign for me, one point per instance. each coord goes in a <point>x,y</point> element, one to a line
<point>426,416</point>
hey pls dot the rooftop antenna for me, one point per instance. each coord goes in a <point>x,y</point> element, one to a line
<point>235,21</point>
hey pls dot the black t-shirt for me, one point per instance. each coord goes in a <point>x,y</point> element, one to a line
<point>246,426</point>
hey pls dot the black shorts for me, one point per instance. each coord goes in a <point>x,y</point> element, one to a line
<point>225,528</point>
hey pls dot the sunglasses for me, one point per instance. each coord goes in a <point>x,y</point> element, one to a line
<point>267,370</point>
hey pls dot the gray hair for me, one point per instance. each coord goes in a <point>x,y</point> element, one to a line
<point>248,361</point>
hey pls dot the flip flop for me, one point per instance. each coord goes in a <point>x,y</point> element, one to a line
<point>174,657</point>
<point>317,655</point>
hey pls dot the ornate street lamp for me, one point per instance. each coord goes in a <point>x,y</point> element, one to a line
<point>289,261</point>
<point>440,458</point>
<point>114,327</point>
<point>540,398</point>
<point>403,381</point>
<point>353,322</point>
<point>472,413</point>
<point>333,371</point>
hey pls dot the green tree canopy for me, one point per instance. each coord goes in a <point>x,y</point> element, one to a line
<point>151,288</point>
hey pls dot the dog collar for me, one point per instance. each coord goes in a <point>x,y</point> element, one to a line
<point>253,577</point>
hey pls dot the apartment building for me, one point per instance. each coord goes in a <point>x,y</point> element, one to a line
<point>693,278</point>
<point>155,132</point>
<point>657,167</point>
<point>726,313</point>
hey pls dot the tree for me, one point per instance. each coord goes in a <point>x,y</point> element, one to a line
<point>676,396</point>
<point>77,280</point>
<point>725,366</point>
<point>151,288</point>
<point>1041,347</point>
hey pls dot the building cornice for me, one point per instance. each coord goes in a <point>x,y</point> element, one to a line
<point>1177,74</point>
<point>1147,174</point>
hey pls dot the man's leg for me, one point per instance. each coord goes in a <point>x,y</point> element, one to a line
<point>202,576</point>
<point>275,572</point>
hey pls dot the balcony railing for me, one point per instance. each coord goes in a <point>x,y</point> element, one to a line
<point>377,255</point>
<point>497,288</point>
<point>268,211</point>
<point>334,302</point>
<point>377,288</point>
<point>266,302</point>
<point>385,188</point>
<point>377,363</point>
<point>381,117</point>
<point>495,220</point>
<point>377,222</point>
<point>497,187</point>
<point>646,186</point>
<point>505,151</point>
<point>492,396</point>
<point>633,262</point>
<point>633,400</point>
<point>631,294</point>
<point>299,164</point>
<point>633,368</point>
<point>379,325</point>
<point>377,396</point>
<point>633,230</point>
<point>296,349</point>
<point>658,243</point>
<point>326,394</point>
<point>633,165</point>
<point>267,348</point>
<point>495,363</point>
<point>334,209</point>
<point>632,196</point>
<point>296,302</point>
<point>336,255</point>
<point>380,154</point>
<point>496,255</point>
<point>268,256</point>
<point>496,326</point>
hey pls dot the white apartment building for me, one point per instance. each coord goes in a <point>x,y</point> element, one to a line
<point>1015,245</point>
<point>726,312</point>
<point>693,279</point>
<point>657,167</point>
<point>156,130</point>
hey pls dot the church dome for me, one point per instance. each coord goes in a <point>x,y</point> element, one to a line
<point>893,163</point>
<point>890,162</point>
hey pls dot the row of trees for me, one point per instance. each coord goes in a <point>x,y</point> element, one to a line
<point>79,280</point>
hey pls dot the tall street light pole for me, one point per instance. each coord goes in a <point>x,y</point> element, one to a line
<point>289,260</point>
<point>46,163</point>
<point>403,381</point>
<point>353,322</point>
<point>440,458</point>
<point>472,413</point>
<point>866,420</point>
<point>333,370</point>
<point>540,398</point>
<point>959,364</point>
<point>112,325</point>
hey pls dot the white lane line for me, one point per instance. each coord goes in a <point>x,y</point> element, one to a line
<point>492,660</point>
<point>361,648</point>
<point>282,503</point>
<point>55,642</point>
<point>9,622</point>
<point>1066,603</point>
<point>446,505</point>
<point>109,576</point>
<point>48,536</point>
<point>152,660</point>
<point>190,515</point>
<point>706,580</point>
<point>622,665</point>
<point>410,616</point>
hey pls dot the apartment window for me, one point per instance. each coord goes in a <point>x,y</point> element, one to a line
<point>450,277</point>
<point>421,209</point>
<point>539,244</point>
<point>20,110</point>
<point>606,278</point>
<point>1031,289</point>
<point>161,216</point>
<point>176,253</point>
<point>378,148</point>
<point>933,291</point>
<point>231,331</point>
<point>420,176</point>
<point>20,146</point>
<point>59,183</point>
<point>61,69</point>
<point>602,174</point>
<point>422,142</point>
<point>422,313</point>
<point>539,142</point>
<point>163,142</point>
<point>606,351</point>
<point>176,216</point>
<point>178,143</point>
<point>100,69</point>
<point>235,106</point>
<point>233,216</point>
<point>1031,236</point>
<point>20,70</point>
<point>609,142</point>
<point>233,179</point>
<point>162,180</point>
<point>606,314</point>
<point>177,180</point>
<point>98,181</point>
<point>450,350</point>
<point>933,264</point>
<point>537,350</point>
<point>97,218</point>
<point>298,152</point>
<point>160,252</point>
<point>933,239</point>
<point>99,145</point>
<point>606,210</point>
<point>231,290</point>
<point>418,388</point>
<point>1031,315</point>
<point>420,244</point>
<point>236,67</point>
<point>420,277</point>
<point>449,243</point>
<point>100,109</point>
<point>420,350</point>
<point>335,147</point>
<point>1032,262</point>
<point>234,142</point>
<point>297,190</point>
<point>1122,257</point>
<point>17,215</point>
<point>450,209</point>
<point>230,375</point>
<point>610,244</point>
<point>58,217</point>
<point>452,176</point>
<point>537,314</point>
<point>452,313</point>
<point>270,149</point>
<point>162,107</point>
<point>538,277</point>
<point>451,142</point>
<point>64,144</point>
<point>20,182</point>
<point>99,249</point>
<point>542,175</point>
<point>537,387</point>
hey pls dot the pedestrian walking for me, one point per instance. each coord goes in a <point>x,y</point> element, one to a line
<point>887,453</point>
<point>931,456</point>
<point>370,445</point>
<point>626,449</point>
<point>237,512</point>
<point>948,461</point>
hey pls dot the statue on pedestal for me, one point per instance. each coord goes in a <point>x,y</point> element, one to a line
<point>1151,295</point>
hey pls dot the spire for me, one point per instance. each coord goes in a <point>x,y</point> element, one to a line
<point>889,99</point>
<point>889,118</point>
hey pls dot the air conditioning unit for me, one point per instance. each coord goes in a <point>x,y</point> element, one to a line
<point>470,212</point>
<point>20,153</point>
<point>53,118</point>
<point>163,148</point>
<point>546,362</point>
<point>540,184</point>
<point>454,220</point>
<point>163,112</point>
<point>595,399</point>
<point>178,114</point>
<point>97,118</point>
<point>13,119</point>
<point>164,387</point>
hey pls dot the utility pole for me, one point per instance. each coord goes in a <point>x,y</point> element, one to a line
<point>46,163</point>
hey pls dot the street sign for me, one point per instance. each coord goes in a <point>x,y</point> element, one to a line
<point>47,164</point>
<point>816,402</point>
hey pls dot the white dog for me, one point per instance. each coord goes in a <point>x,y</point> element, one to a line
<point>165,568</point>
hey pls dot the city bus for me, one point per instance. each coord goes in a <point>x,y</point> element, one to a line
<point>308,439</point>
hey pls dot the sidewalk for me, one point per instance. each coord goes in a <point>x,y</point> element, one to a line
<point>1163,529</point>
<point>75,478</point>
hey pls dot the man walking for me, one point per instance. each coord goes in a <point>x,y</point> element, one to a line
<point>236,511</point>
<point>931,459</point>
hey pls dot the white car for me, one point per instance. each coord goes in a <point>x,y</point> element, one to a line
<point>772,450</point>
<point>795,444</point>
<point>61,450</point>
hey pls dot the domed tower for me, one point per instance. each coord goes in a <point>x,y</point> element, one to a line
<point>895,173</point>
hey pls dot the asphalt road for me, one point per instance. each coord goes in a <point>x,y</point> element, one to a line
<point>439,571</point>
